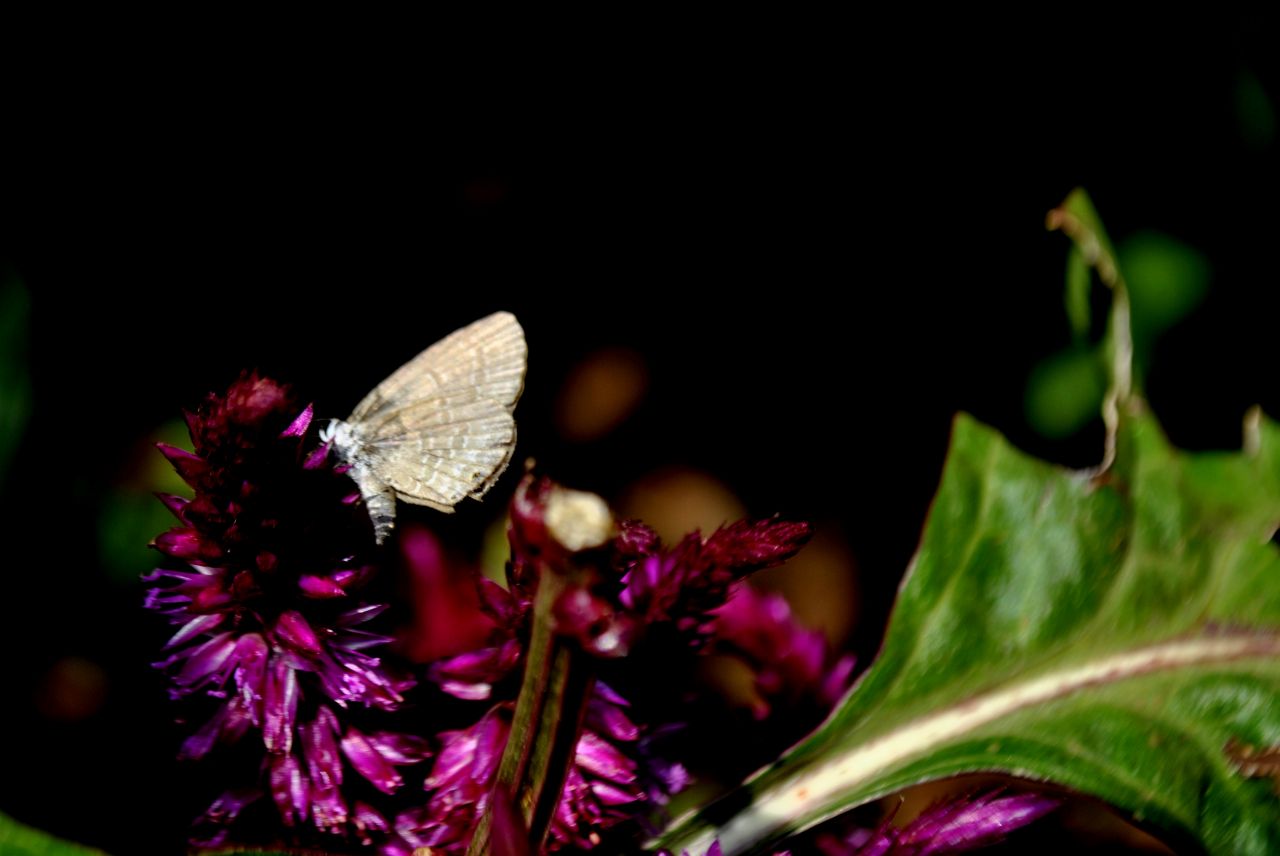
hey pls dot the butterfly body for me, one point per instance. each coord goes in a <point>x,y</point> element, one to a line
<point>441,427</point>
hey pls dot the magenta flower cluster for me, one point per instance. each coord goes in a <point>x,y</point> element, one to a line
<point>277,649</point>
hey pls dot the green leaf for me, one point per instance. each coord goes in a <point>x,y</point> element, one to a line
<point>18,839</point>
<point>1077,217</point>
<point>1115,630</point>
<point>1107,633</point>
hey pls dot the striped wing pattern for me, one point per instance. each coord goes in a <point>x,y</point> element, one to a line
<point>441,428</point>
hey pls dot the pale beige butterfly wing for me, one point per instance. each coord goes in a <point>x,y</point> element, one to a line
<point>441,427</point>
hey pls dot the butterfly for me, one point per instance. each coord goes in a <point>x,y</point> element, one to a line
<point>441,427</point>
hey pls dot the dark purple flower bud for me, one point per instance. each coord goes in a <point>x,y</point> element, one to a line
<point>298,427</point>
<point>190,467</point>
<point>290,789</point>
<point>318,458</point>
<point>399,748</point>
<point>528,512</point>
<point>197,626</point>
<point>600,758</point>
<point>187,545</point>
<point>250,658</point>
<point>176,504</point>
<point>593,622</point>
<point>328,810</point>
<point>749,546</point>
<point>369,763</point>
<point>472,675</point>
<point>205,661</point>
<point>320,587</point>
<point>499,604</point>
<point>279,707</point>
<point>643,583</point>
<point>320,749</point>
<point>360,615</point>
<point>293,630</point>
<point>348,675</point>
<point>967,824</point>
<point>635,540</point>
<point>367,820</point>
<point>605,716</point>
<point>949,827</point>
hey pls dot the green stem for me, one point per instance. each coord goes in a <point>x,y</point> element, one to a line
<point>548,718</point>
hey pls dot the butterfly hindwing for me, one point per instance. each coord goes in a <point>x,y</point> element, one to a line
<point>439,451</point>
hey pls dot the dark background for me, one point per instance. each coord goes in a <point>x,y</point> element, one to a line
<point>822,242</point>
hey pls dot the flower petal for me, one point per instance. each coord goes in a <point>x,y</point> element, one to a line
<point>280,707</point>
<point>290,789</point>
<point>294,631</point>
<point>370,763</point>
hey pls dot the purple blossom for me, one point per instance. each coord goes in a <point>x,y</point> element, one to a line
<point>793,665</point>
<point>472,674</point>
<point>949,827</point>
<point>628,582</point>
<point>642,584</point>
<point>610,781</point>
<point>262,577</point>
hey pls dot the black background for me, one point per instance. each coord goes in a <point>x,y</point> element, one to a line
<point>824,240</point>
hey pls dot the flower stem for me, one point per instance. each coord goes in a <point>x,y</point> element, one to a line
<point>558,677</point>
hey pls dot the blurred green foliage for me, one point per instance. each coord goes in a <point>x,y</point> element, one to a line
<point>17,839</point>
<point>1166,279</point>
<point>15,378</point>
<point>1065,391</point>
<point>1255,113</point>
<point>131,515</point>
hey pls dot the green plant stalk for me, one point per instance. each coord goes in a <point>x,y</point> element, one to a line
<point>558,678</point>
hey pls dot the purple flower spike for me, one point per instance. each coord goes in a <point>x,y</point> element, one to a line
<point>643,583</point>
<point>262,579</point>
<point>683,584</point>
